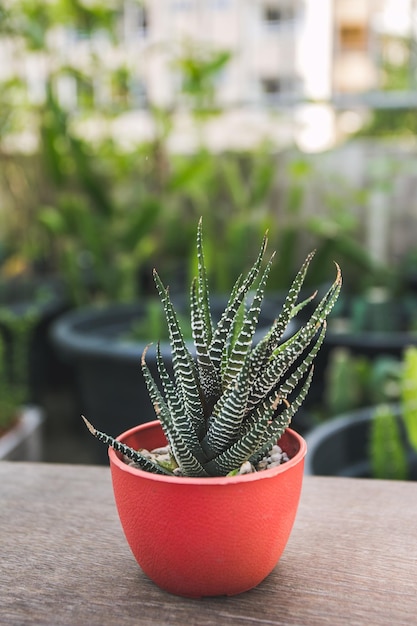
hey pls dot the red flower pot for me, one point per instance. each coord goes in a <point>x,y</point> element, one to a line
<point>206,536</point>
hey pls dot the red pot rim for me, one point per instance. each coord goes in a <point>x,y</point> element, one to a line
<point>215,480</point>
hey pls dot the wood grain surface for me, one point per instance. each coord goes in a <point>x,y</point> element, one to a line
<point>351,558</point>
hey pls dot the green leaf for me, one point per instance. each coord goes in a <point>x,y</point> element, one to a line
<point>186,460</point>
<point>146,464</point>
<point>277,427</point>
<point>239,292</point>
<point>184,367</point>
<point>241,346</point>
<point>208,374</point>
<point>387,453</point>
<point>409,394</point>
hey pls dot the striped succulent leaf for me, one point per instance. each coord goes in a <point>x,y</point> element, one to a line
<point>289,305</point>
<point>243,341</point>
<point>228,413</point>
<point>182,440</point>
<point>232,401</point>
<point>134,455</point>
<point>202,288</point>
<point>208,373</point>
<point>225,323</point>
<point>278,425</point>
<point>184,367</point>
<point>276,371</point>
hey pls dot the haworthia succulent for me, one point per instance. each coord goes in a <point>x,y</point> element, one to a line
<point>233,400</point>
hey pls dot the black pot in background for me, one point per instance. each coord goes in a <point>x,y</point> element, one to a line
<point>340,446</point>
<point>112,392</point>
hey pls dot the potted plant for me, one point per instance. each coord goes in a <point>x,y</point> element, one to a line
<point>20,424</point>
<point>211,513</point>
<point>378,441</point>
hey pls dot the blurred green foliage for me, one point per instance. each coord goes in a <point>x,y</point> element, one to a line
<point>354,381</point>
<point>397,74</point>
<point>101,214</point>
<point>15,338</point>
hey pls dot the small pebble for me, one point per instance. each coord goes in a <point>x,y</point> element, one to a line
<point>275,457</point>
<point>159,451</point>
<point>246,468</point>
<point>146,453</point>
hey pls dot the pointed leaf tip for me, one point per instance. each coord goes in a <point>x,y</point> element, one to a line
<point>89,425</point>
<point>143,357</point>
<point>338,274</point>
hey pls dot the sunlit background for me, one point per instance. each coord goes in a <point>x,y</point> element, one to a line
<point>322,65</point>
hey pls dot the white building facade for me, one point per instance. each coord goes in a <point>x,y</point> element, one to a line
<point>289,59</point>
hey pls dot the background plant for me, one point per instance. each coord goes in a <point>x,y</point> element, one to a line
<point>355,381</point>
<point>389,443</point>
<point>97,211</point>
<point>99,234</point>
<point>15,341</point>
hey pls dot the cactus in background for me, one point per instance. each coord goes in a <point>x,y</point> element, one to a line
<point>388,447</point>
<point>354,381</point>
<point>344,383</point>
<point>409,394</point>
<point>388,458</point>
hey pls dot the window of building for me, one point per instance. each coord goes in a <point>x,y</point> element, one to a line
<point>271,86</point>
<point>220,5</point>
<point>277,15</point>
<point>353,37</point>
<point>143,20</point>
<point>134,21</point>
<point>275,88</point>
<point>182,5</point>
<point>138,93</point>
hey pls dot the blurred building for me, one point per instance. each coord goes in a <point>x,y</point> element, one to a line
<point>299,69</point>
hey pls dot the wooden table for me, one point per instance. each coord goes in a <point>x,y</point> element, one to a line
<point>351,558</point>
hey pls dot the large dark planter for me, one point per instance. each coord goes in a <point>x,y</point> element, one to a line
<point>340,446</point>
<point>112,392</point>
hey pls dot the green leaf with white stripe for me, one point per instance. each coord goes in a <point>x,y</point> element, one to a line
<point>183,364</point>
<point>221,332</point>
<point>186,460</point>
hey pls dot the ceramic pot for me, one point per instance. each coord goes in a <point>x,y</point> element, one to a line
<point>206,536</point>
